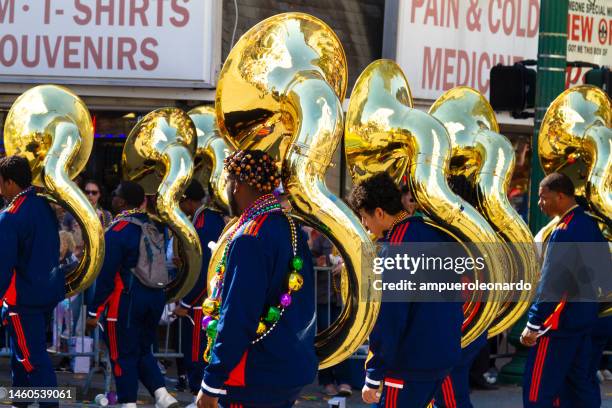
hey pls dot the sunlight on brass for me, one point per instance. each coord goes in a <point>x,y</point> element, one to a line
<point>384,133</point>
<point>158,154</point>
<point>487,159</point>
<point>51,127</point>
<point>576,139</point>
<point>280,90</point>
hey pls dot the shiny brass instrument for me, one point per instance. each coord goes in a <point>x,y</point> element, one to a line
<point>51,127</point>
<point>384,133</point>
<point>280,90</point>
<point>576,139</point>
<point>487,159</point>
<point>158,155</point>
<point>212,150</point>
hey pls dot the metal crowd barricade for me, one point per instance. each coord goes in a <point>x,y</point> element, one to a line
<point>360,354</point>
<point>73,312</point>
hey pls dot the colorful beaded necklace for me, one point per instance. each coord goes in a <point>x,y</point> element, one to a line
<point>212,305</point>
<point>398,219</point>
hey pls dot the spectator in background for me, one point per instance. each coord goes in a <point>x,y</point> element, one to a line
<point>93,191</point>
<point>63,314</point>
<point>329,305</point>
<point>408,201</point>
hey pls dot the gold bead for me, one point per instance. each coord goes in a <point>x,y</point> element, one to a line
<point>296,281</point>
<point>261,328</point>
<point>210,307</point>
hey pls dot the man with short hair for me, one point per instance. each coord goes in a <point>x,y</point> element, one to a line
<point>209,225</point>
<point>561,328</point>
<point>31,282</point>
<point>132,309</point>
<point>413,345</point>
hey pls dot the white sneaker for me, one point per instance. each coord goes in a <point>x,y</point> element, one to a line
<point>128,405</point>
<point>163,399</point>
<point>607,375</point>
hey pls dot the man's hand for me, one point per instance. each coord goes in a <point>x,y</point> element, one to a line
<point>92,322</point>
<point>529,337</point>
<point>181,311</point>
<point>370,395</point>
<point>206,401</point>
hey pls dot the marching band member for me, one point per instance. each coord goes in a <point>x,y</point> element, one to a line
<point>414,345</point>
<point>209,225</point>
<point>261,313</point>
<point>31,282</point>
<point>132,309</point>
<point>561,330</point>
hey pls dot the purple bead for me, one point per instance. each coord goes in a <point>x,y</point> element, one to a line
<point>285,300</point>
<point>205,321</point>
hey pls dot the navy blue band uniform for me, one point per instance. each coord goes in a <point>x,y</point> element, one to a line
<point>31,285</point>
<point>132,312</point>
<point>209,225</point>
<point>557,369</point>
<point>413,345</point>
<point>272,371</point>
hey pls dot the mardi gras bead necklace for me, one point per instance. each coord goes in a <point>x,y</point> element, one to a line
<point>211,306</point>
<point>398,219</point>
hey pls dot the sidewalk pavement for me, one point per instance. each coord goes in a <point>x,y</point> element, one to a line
<point>504,397</point>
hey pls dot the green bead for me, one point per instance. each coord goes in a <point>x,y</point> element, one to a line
<point>211,330</point>
<point>297,263</point>
<point>273,315</point>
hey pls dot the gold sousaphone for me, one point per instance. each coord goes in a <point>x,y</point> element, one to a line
<point>384,133</point>
<point>158,154</point>
<point>575,138</point>
<point>211,151</point>
<point>486,158</point>
<point>280,90</point>
<point>51,127</point>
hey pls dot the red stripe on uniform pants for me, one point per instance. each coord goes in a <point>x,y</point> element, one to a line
<point>21,342</point>
<point>391,400</point>
<point>537,370</point>
<point>450,402</point>
<point>534,371</point>
<point>195,346</point>
<point>541,369</point>
<point>112,340</point>
<point>20,336</point>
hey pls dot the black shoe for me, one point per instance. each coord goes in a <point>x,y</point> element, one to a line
<point>181,385</point>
